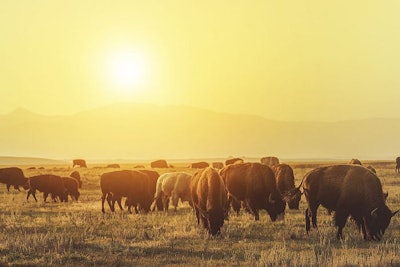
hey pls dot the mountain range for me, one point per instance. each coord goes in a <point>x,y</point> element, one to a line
<point>146,131</point>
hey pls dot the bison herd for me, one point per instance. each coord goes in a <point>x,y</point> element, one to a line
<point>348,190</point>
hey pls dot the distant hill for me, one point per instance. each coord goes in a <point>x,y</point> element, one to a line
<point>15,161</point>
<point>144,131</point>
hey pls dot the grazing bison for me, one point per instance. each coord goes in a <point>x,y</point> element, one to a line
<point>355,161</point>
<point>125,183</point>
<point>217,165</point>
<point>199,165</point>
<point>348,190</point>
<point>115,166</point>
<point>285,183</point>
<point>159,164</point>
<point>209,199</point>
<point>77,176</point>
<point>79,163</point>
<point>397,164</point>
<point>270,161</point>
<point>152,181</point>
<point>174,185</point>
<point>72,185</point>
<point>254,184</point>
<point>48,184</point>
<point>233,161</point>
<point>13,176</point>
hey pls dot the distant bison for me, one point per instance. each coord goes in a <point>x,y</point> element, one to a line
<point>355,161</point>
<point>159,164</point>
<point>233,161</point>
<point>217,165</point>
<point>79,163</point>
<point>13,176</point>
<point>115,166</point>
<point>209,199</point>
<point>254,184</point>
<point>174,185</point>
<point>199,165</point>
<point>397,164</point>
<point>48,184</point>
<point>348,190</point>
<point>125,183</point>
<point>270,161</point>
<point>285,183</point>
<point>72,185</point>
<point>77,176</point>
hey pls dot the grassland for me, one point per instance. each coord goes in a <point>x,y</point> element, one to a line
<point>78,234</point>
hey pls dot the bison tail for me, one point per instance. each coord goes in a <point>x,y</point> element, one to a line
<point>291,194</point>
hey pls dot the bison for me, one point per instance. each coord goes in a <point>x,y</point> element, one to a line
<point>355,161</point>
<point>349,190</point>
<point>115,166</point>
<point>175,185</point>
<point>269,161</point>
<point>397,164</point>
<point>233,161</point>
<point>217,165</point>
<point>13,176</point>
<point>77,176</point>
<point>125,183</point>
<point>199,165</point>
<point>159,164</point>
<point>48,184</point>
<point>209,198</point>
<point>285,183</point>
<point>79,163</point>
<point>72,185</point>
<point>254,184</point>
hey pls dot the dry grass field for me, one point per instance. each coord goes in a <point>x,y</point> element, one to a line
<point>78,234</point>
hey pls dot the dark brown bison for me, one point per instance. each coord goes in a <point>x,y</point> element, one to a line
<point>72,185</point>
<point>126,183</point>
<point>48,184</point>
<point>349,190</point>
<point>209,198</point>
<point>13,176</point>
<point>77,176</point>
<point>115,166</point>
<point>159,164</point>
<point>355,161</point>
<point>217,165</point>
<point>285,183</point>
<point>233,161</point>
<point>397,164</point>
<point>199,165</point>
<point>79,163</point>
<point>254,184</point>
<point>269,161</point>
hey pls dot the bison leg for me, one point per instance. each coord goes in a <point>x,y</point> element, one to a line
<point>119,203</point>
<point>8,187</point>
<point>307,216</point>
<point>340,221</point>
<point>165,202</point>
<point>45,195</point>
<point>103,199</point>
<point>33,193</point>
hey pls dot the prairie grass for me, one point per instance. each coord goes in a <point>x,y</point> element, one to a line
<point>78,234</point>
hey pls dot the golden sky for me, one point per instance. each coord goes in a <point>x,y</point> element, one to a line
<point>285,60</point>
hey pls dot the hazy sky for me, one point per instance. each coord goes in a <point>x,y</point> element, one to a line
<point>287,60</point>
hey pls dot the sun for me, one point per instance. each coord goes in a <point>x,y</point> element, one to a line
<point>128,71</point>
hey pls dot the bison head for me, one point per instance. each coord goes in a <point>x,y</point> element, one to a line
<point>276,206</point>
<point>294,202</point>
<point>380,219</point>
<point>215,220</point>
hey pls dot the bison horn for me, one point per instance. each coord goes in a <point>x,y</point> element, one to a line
<point>374,212</point>
<point>394,213</point>
<point>270,199</point>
